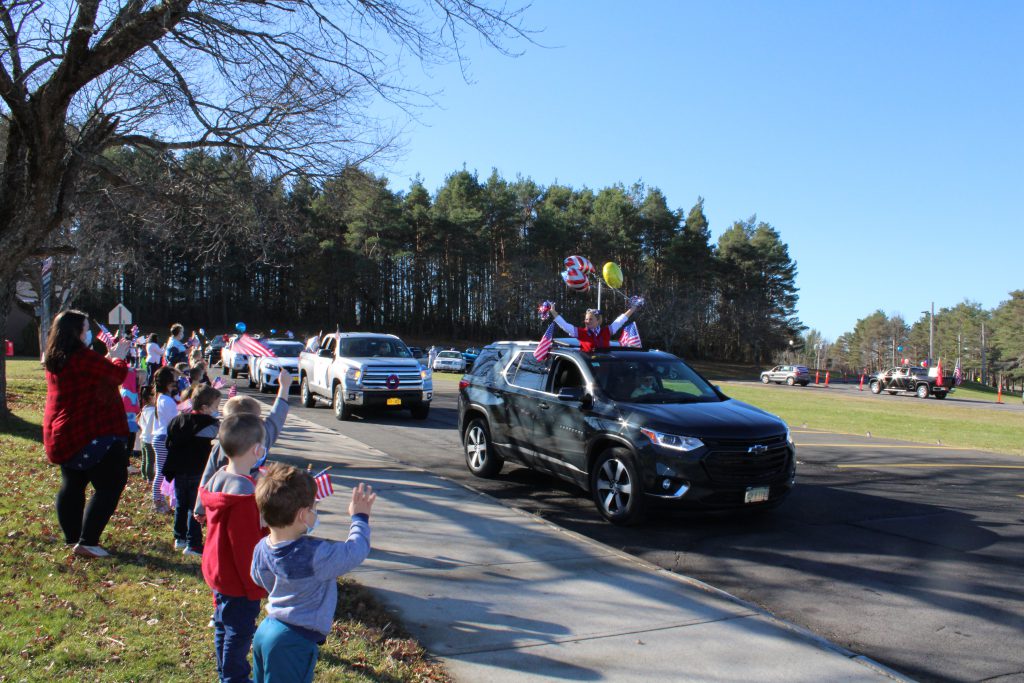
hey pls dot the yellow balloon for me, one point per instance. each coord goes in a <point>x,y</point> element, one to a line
<point>612,275</point>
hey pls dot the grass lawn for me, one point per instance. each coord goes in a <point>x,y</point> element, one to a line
<point>141,615</point>
<point>894,417</point>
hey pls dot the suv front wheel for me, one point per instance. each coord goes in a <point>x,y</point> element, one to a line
<point>616,487</point>
<point>480,456</point>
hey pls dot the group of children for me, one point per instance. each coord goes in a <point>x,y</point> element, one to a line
<point>257,518</point>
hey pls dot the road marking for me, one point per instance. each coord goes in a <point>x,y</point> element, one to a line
<point>936,465</point>
<point>886,445</point>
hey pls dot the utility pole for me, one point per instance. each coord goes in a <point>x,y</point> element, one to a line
<point>983,376</point>
<point>931,336</point>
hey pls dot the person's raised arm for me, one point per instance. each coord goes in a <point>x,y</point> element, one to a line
<point>620,321</point>
<point>561,322</point>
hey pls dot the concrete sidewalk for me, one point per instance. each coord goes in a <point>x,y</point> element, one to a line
<point>501,595</point>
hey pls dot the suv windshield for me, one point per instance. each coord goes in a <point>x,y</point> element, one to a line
<point>651,380</point>
<point>374,348</point>
<point>285,349</point>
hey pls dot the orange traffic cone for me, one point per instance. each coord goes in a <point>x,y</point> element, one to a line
<point>999,393</point>
<point>861,387</point>
<point>817,376</point>
<point>827,373</point>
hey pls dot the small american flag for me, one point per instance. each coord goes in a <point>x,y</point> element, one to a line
<point>544,346</point>
<point>185,406</point>
<point>324,487</point>
<point>105,336</point>
<point>958,374</point>
<point>630,336</point>
<point>218,383</point>
<point>135,331</point>
<point>251,346</point>
<point>233,391</point>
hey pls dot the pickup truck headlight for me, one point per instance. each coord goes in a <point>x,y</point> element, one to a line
<point>789,437</point>
<point>353,374</point>
<point>425,373</point>
<point>672,441</point>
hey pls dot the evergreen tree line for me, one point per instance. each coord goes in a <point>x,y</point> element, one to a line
<point>211,243</point>
<point>980,338</point>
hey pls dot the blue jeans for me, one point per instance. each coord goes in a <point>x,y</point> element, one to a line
<point>186,528</point>
<point>279,653</point>
<point>234,623</point>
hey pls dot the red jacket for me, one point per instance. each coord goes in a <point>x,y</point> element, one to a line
<point>601,339</point>
<point>234,530</point>
<point>83,402</point>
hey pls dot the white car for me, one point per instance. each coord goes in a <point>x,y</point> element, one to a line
<point>449,361</point>
<point>233,362</point>
<point>263,370</point>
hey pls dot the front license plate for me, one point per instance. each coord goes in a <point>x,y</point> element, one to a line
<point>756,494</point>
<point>394,401</point>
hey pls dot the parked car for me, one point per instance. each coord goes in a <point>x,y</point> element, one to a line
<point>233,362</point>
<point>263,370</point>
<point>449,361</point>
<point>212,350</point>
<point>357,369</point>
<point>911,380</point>
<point>790,374</point>
<point>469,355</point>
<point>635,428</point>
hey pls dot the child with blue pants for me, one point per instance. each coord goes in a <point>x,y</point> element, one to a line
<point>300,572</point>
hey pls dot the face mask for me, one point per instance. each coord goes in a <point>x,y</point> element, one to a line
<point>88,337</point>
<point>316,523</point>
<point>263,458</point>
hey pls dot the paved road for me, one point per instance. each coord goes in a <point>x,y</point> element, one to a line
<point>911,555</point>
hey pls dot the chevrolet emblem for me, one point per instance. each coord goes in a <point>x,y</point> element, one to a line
<point>757,449</point>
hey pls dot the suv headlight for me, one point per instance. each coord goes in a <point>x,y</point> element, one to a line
<point>672,441</point>
<point>272,367</point>
<point>789,437</point>
<point>353,374</point>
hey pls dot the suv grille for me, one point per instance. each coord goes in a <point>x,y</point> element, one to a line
<point>730,461</point>
<point>375,377</point>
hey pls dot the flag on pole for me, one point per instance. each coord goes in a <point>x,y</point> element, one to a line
<point>541,352</point>
<point>233,391</point>
<point>630,336</point>
<point>324,487</point>
<point>218,383</point>
<point>251,346</point>
<point>135,332</point>
<point>958,374</point>
<point>105,336</point>
<point>938,374</point>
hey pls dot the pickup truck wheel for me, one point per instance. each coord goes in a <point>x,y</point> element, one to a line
<point>342,411</point>
<point>308,397</point>
<point>922,391</point>
<point>616,487</point>
<point>421,411</point>
<point>876,387</point>
<point>765,380</point>
<point>481,459</point>
<point>790,381</point>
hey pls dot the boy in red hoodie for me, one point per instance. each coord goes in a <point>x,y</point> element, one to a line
<point>234,529</point>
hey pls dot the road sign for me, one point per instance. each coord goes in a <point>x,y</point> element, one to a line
<point>120,315</point>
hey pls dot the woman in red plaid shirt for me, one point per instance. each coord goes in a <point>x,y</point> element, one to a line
<point>85,430</point>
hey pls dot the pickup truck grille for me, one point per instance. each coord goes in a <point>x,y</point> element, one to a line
<point>376,377</point>
<point>730,461</point>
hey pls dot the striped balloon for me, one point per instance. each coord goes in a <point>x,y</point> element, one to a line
<point>575,279</point>
<point>580,263</point>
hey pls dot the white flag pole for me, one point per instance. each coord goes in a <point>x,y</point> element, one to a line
<point>599,294</point>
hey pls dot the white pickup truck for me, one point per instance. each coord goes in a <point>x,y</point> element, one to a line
<point>359,369</point>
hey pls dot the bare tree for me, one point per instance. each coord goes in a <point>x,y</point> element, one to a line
<point>287,84</point>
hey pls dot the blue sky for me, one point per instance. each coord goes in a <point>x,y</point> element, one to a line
<point>884,141</point>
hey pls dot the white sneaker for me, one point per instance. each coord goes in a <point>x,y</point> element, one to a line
<point>90,551</point>
<point>180,545</point>
<point>190,551</point>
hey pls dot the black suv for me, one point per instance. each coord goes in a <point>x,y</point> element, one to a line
<point>633,427</point>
